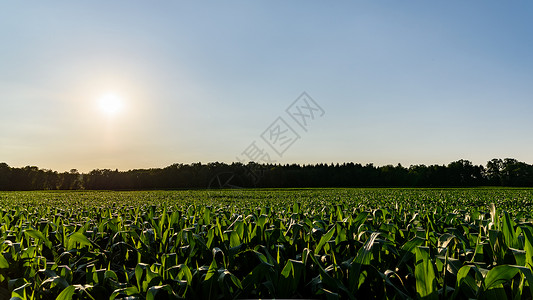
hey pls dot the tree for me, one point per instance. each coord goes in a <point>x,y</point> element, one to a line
<point>5,175</point>
<point>493,172</point>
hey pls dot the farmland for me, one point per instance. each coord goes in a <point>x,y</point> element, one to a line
<point>287,243</point>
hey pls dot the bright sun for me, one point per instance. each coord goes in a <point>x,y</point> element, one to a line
<point>111,104</point>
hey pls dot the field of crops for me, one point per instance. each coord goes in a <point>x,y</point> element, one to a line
<point>311,243</point>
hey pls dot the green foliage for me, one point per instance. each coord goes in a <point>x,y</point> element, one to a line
<point>310,243</point>
<point>426,282</point>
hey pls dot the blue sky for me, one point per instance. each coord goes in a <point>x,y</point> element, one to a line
<point>400,82</point>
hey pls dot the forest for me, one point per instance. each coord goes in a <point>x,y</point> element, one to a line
<point>460,173</point>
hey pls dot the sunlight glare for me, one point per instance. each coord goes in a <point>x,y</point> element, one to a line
<point>111,104</point>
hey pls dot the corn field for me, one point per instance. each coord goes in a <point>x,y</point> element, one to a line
<point>305,243</point>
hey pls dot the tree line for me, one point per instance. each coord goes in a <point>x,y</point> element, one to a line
<point>461,173</point>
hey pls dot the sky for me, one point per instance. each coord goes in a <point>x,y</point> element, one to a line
<point>136,84</point>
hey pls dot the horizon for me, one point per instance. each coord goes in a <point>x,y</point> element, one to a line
<point>276,164</point>
<point>133,85</point>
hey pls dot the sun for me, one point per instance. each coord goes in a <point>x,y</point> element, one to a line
<point>111,104</point>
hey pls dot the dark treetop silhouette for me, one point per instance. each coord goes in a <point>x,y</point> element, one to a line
<point>498,172</point>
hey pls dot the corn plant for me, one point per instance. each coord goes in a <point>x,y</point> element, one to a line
<point>311,243</point>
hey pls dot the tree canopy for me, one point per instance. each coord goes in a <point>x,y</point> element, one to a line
<point>460,173</point>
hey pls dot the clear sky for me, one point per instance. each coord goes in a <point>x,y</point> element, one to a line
<point>139,84</point>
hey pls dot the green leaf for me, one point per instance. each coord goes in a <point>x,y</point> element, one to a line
<point>152,291</point>
<point>364,256</point>
<point>58,281</point>
<point>210,237</point>
<point>67,293</point>
<point>232,277</point>
<point>207,216</point>
<point>296,207</point>
<point>139,272</point>
<point>499,275</point>
<point>493,214</point>
<point>220,231</point>
<point>287,270</point>
<point>466,283</point>
<point>234,239</point>
<point>129,291</point>
<point>360,219</point>
<point>324,239</point>
<point>212,270</point>
<point>519,256</point>
<point>21,291</point>
<point>183,270</point>
<point>290,277</point>
<point>79,238</point>
<point>426,283</point>
<point>385,276</point>
<point>528,245</point>
<point>528,274</point>
<point>330,281</point>
<point>38,236</point>
<point>3,262</point>
<point>236,281</point>
<point>256,276</point>
<point>409,249</point>
<point>109,274</point>
<point>509,233</point>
